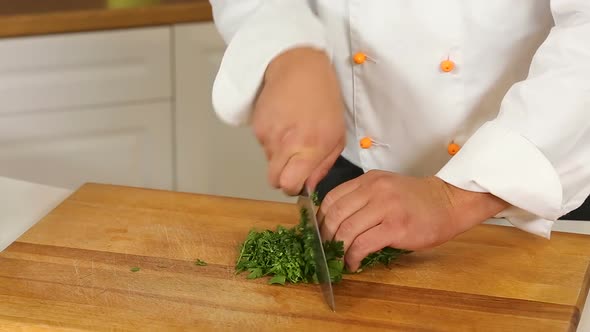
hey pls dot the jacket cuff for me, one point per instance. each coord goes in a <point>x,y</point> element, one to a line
<point>507,165</point>
<point>527,221</point>
<point>273,28</point>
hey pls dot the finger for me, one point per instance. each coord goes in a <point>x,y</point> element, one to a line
<point>280,149</point>
<point>297,170</point>
<point>267,152</point>
<point>322,170</point>
<point>259,133</point>
<point>361,221</point>
<point>277,163</point>
<point>265,132</point>
<point>335,194</point>
<point>367,243</point>
<point>341,210</point>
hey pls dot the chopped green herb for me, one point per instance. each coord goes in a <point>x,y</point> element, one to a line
<point>286,255</point>
<point>278,279</point>
<point>384,256</point>
<point>336,269</point>
<point>199,262</point>
<point>135,269</point>
<point>314,198</point>
<point>255,273</point>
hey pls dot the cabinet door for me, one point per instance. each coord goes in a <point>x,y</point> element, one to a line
<point>84,69</point>
<point>126,145</point>
<point>211,157</point>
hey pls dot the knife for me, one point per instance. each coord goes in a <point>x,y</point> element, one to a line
<point>305,203</point>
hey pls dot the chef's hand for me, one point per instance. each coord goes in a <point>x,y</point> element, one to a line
<point>382,209</point>
<point>299,119</point>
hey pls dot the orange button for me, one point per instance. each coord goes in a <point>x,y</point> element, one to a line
<point>359,58</point>
<point>447,66</point>
<point>366,142</point>
<point>453,148</point>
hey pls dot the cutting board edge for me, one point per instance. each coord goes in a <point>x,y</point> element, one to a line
<point>584,290</point>
<point>88,185</point>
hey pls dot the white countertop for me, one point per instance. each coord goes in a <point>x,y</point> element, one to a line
<point>22,204</point>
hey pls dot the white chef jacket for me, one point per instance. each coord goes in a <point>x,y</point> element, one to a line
<point>517,101</point>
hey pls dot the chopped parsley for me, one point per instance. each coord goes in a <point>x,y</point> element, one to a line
<point>199,262</point>
<point>286,254</point>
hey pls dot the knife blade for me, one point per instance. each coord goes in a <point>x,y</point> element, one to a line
<point>306,205</point>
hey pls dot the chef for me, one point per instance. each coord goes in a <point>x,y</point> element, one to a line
<point>414,120</point>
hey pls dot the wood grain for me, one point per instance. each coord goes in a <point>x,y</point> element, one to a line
<point>33,17</point>
<point>72,271</point>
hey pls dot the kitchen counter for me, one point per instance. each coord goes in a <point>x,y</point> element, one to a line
<point>32,17</point>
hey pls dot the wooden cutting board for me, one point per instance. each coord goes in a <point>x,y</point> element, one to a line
<point>72,271</point>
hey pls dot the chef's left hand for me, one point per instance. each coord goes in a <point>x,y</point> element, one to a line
<point>383,209</point>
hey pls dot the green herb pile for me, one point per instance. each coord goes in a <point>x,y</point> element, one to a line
<point>286,255</point>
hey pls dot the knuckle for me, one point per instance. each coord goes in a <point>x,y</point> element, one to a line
<point>397,237</point>
<point>259,133</point>
<point>336,213</point>
<point>433,238</point>
<point>310,139</point>
<point>267,153</point>
<point>331,228</point>
<point>290,136</point>
<point>346,229</point>
<point>398,231</point>
<point>260,130</point>
<point>362,245</point>
<point>355,256</point>
<point>327,202</point>
<point>381,183</point>
<point>371,173</point>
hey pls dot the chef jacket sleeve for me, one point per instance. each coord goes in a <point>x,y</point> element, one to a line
<point>256,31</point>
<point>536,153</point>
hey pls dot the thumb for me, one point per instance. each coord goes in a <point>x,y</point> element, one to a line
<point>297,170</point>
<point>324,167</point>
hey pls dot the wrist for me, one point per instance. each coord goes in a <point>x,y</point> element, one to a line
<point>468,208</point>
<point>294,60</point>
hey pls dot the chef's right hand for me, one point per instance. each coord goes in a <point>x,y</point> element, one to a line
<point>299,119</point>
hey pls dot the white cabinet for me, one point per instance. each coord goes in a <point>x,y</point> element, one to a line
<point>88,107</point>
<point>62,71</point>
<point>211,157</point>
<point>127,145</point>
